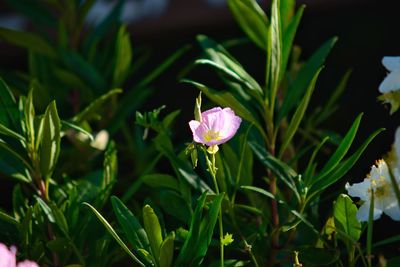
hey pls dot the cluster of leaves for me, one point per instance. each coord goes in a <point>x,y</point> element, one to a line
<point>80,69</point>
<point>271,175</point>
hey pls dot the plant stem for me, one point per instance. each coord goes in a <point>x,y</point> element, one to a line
<point>213,171</point>
<point>370,229</point>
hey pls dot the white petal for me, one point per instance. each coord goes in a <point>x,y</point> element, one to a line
<point>101,140</point>
<point>359,189</point>
<point>393,211</point>
<point>363,212</point>
<point>391,82</point>
<point>391,63</point>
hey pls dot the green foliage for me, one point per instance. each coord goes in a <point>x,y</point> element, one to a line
<point>166,200</point>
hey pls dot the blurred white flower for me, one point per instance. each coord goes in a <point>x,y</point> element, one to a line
<point>390,86</point>
<point>379,184</point>
<point>101,140</point>
<point>392,80</point>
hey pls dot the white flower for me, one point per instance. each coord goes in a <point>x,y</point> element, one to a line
<point>101,140</point>
<point>379,184</point>
<point>392,80</point>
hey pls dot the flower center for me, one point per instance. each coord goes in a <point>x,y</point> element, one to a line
<point>380,187</point>
<point>211,135</point>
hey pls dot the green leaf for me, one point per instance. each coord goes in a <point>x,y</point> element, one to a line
<point>29,111</point>
<point>49,140</point>
<point>274,52</point>
<point>252,19</point>
<point>28,41</point>
<point>113,233</point>
<point>341,151</point>
<point>65,125</point>
<point>156,72</point>
<point>4,130</point>
<point>173,204</point>
<point>8,218</point>
<point>279,168</point>
<point>46,209</point>
<point>258,190</point>
<point>153,230</point>
<point>341,169</point>
<point>123,56</point>
<point>286,10</point>
<point>309,172</point>
<point>387,241</point>
<point>344,212</point>
<point>288,36</point>
<point>59,218</point>
<point>131,227</point>
<point>226,99</point>
<point>10,163</point>
<point>92,110</point>
<point>182,168</point>
<point>234,72</point>
<point>9,113</point>
<point>325,110</point>
<point>287,207</point>
<point>304,77</point>
<point>200,233</point>
<point>86,71</point>
<point>167,251</point>
<point>298,116</point>
<point>110,165</point>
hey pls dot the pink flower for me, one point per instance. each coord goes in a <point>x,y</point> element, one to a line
<point>27,263</point>
<point>8,259</point>
<point>217,126</point>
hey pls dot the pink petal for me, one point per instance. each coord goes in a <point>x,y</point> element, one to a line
<point>231,125</point>
<point>194,126</point>
<point>27,263</point>
<point>213,119</point>
<point>210,111</point>
<point>7,257</point>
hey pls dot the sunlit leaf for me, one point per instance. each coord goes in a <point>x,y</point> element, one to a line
<point>50,140</point>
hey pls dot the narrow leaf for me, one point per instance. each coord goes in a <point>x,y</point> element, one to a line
<point>9,114</point>
<point>153,230</point>
<point>341,151</point>
<point>161,180</point>
<point>279,168</point>
<point>167,251</point>
<point>114,234</point>
<point>123,56</point>
<point>28,41</point>
<point>332,177</point>
<point>298,115</point>
<point>304,77</point>
<point>274,52</point>
<point>134,232</point>
<point>92,110</point>
<point>288,37</point>
<point>252,19</point>
<point>50,140</point>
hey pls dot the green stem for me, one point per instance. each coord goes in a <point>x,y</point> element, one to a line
<point>213,171</point>
<point>370,228</point>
